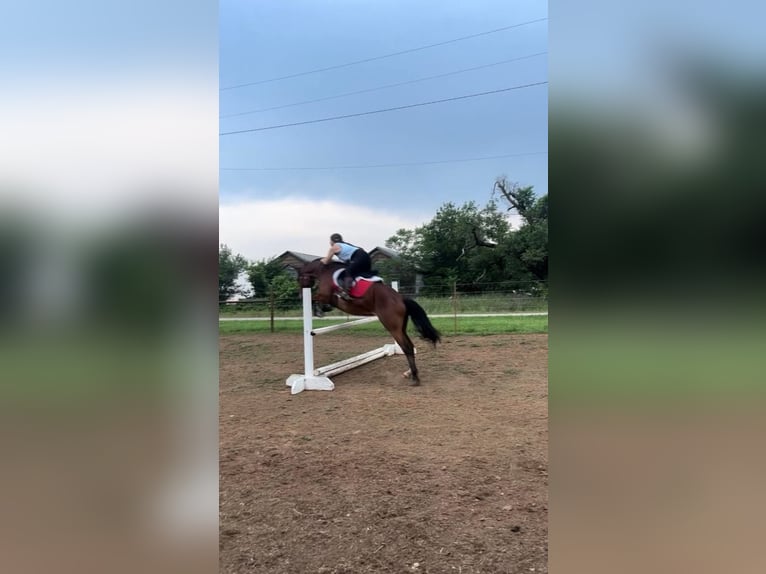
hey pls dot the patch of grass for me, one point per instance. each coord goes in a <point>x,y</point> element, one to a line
<point>483,303</point>
<point>491,325</point>
<point>500,302</point>
<point>447,326</point>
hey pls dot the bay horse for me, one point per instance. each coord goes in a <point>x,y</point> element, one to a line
<point>391,308</point>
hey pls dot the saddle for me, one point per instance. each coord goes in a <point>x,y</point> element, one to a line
<point>362,282</point>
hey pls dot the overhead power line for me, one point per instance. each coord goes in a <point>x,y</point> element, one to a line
<point>383,87</point>
<point>383,110</point>
<point>383,165</point>
<point>408,51</point>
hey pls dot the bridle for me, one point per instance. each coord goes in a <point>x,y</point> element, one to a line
<point>306,280</point>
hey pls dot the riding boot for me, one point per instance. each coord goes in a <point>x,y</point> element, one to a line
<point>345,288</point>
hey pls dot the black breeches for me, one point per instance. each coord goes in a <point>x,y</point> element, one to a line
<point>358,264</point>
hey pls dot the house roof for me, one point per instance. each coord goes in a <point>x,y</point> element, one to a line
<point>295,259</point>
<point>306,257</point>
<point>302,256</point>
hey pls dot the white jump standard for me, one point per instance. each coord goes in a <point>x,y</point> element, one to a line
<point>318,379</point>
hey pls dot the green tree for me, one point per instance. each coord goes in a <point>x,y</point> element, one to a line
<point>229,268</point>
<point>262,273</point>
<point>527,247</point>
<point>286,291</point>
<point>476,247</point>
<point>460,244</point>
<point>404,267</point>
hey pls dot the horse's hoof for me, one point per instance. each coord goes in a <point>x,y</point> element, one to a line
<point>407,374</point>
<point>415,383</point>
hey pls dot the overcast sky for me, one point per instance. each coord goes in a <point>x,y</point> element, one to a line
<point>265,209</point>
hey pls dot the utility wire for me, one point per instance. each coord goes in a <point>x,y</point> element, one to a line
<point>382,87</point>
<point>410,50</point>
<point>383,110</point>
<point>382,165</point>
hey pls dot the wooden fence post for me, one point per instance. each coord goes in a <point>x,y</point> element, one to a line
<point>271,309</point>
<point>454,304</point>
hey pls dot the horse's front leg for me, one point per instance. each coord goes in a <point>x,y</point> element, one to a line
<point>321,300</point>
<point>321,294</point>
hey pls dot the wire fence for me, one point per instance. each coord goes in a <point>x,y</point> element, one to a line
<point>455,301</point>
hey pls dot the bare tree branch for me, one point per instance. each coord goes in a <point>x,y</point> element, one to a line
<point>481,242</point>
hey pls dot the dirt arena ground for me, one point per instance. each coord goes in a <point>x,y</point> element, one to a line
<point>378,476</point>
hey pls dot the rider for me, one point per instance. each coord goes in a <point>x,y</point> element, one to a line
<point>356,258</point>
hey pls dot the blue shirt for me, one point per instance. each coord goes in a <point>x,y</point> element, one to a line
<point>346,251</point>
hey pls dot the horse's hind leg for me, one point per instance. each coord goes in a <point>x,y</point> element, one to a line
<point>409,351</point>
<point>395,324</point>
<point>396,329</point>
<point>414,379</point>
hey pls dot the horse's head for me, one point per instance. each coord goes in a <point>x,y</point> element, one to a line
<point>309,273</point>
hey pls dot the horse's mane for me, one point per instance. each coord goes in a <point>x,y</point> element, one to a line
<point>317,266</point>
<point>332,262</point>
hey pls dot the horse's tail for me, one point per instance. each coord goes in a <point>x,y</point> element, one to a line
<point>421,321</point>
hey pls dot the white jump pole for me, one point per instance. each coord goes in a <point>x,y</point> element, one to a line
<point>317,379</point>
<point>308,380</point>
<point>343,325</point>
<point>353,362</point>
